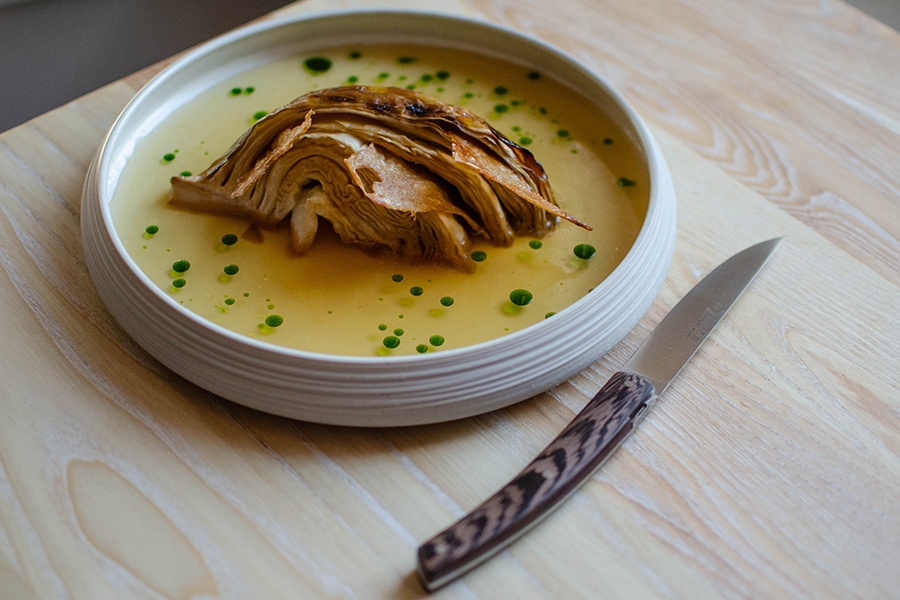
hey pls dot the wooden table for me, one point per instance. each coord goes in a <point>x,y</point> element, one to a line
<point>770,468</point>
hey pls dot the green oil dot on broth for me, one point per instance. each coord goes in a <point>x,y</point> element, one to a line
<point>151,230</point>
<point>179,283</point>
<point>317,64</point>
<point>181,266</point>
<point>274,320</point>
<point>536,244</point>
<point>549,314</point>
<point>398,332</point>
<point>625,182</point>
<point>185,173</point>
<point>442,75</point>
<point>501,108</point>
<point>397,277</point>
<point>584,251</point>
<point>563,133</point>
<point>416,290</point>
<point>229,239</point>
<point>405,60</point>
<point>436,340</point>
<point>447,301</point>
<point>520,297</point>
<point>229,301</point>
<point>607,141</point>
<point>534,75</point>
<point>525,141</point>
<point>382,76</point>
<point>421,348</point>
<point>479,256</point>
<point>352,79</point>
<point>235,91</point>
<point>231,269</point>
<point>354,55</point>
<point>501,90</point>
<point>249,90</point>
<point>382,327</point>
<point>259,115</point>
<point>168,157</point>
<point>391,341</point>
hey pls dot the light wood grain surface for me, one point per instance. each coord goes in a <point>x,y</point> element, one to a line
<point>770,468</point>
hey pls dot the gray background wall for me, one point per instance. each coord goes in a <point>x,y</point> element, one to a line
<point>52,51</point>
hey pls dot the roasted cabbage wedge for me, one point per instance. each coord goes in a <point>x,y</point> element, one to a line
<point>390,169</point>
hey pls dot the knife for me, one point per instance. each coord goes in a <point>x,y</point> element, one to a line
<point>595,433</point>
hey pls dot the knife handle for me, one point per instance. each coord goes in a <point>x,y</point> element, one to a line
<point>565,464</point>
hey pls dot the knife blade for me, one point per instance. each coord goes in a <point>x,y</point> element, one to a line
<point>595,432</point>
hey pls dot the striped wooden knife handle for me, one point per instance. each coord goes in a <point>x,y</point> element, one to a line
<point>565,464</point>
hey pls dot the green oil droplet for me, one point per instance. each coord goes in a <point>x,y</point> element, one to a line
<point>436,340</point>
<point>231,269</point>
<point>181,266</point>
<point>447,301</point>
<point>317,64</point>
<point>416,290</point>
<point>391,341</point>
<point>479,255</point>
<point>421,348</point>
<point>274,320</point>
<point>520,297</point>
<point>584,251</point>
<point>229,239</point>
<point>536,244</point>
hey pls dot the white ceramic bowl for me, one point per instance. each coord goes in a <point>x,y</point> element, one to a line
<point>371,391</point>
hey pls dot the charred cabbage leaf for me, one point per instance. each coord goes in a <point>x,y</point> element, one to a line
<point>389,169</point>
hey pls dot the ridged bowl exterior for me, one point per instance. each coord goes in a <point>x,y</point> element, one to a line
<point>370,391</point>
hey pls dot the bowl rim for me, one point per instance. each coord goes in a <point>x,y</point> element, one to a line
<point>649,151</point>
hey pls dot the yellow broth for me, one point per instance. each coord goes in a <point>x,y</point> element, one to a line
<point>337,299</point>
